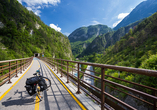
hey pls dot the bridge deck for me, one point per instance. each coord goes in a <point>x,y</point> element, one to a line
<point>56,98</point>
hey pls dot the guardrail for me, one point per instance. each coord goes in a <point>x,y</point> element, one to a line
<point>11,68</point>
<point>98,93</point>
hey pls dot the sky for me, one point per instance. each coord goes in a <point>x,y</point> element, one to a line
<point>67,15</point>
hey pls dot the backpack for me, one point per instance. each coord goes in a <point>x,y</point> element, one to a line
<point>42,84</point>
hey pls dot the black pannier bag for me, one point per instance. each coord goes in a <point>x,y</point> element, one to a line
<point>32,80</point>
<point>30,89</point>
<point>31,85</point>
<point>42,84</point>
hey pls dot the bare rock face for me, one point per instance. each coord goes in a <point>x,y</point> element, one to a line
<point>1,25</point>
<point>85,33</point>
<point>37,25</point>
<point>82,37</point>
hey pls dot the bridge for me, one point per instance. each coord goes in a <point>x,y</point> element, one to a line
<point>70,90</point>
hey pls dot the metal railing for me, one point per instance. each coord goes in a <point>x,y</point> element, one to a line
<point>11,68</point>
<point>98,93</point>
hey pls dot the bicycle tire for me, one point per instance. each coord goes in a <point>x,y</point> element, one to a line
<point>48,81</point>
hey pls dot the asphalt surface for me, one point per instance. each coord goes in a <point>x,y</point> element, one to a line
<point>56,98</point>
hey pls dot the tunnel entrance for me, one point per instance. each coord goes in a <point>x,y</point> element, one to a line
<point>36,54</point>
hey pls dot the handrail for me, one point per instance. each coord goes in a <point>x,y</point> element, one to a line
<point>100,94</point>
<point>119,68</point>
<point>13,66</point>
<point>5,61</point>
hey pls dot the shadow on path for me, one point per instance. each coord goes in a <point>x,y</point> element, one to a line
<point>21,100</point>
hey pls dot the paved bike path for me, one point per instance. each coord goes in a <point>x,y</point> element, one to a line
<point>56,98</point>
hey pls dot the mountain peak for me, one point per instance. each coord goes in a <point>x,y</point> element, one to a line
<point>143,10</point>
<point>84,33</point>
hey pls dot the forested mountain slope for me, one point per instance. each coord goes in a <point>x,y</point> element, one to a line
<point>22,34</point>
<point>100,43</point>
<point>136,49</point>
<point>136,46</point>
<point>82,37</point>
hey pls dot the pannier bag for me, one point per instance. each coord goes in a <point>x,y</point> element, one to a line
<point>30,89</point>
<point>32,80</point>
<point>31,85</point>
<point>42,84</point>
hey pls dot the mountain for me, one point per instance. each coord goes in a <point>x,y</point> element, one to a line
<point>22,34</point>
<point>81,37</point>
<point>136,49</point>
<point>100,43</point>
<point>143,10</point>
<point>84,33</point>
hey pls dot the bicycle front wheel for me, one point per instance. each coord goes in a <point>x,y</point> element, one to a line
<point>47,81</point>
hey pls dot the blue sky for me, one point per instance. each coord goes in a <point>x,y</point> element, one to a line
<point>67,15</point>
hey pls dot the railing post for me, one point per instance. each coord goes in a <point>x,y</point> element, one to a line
<point>21,66</point>
<point>52,63</point>
<point>61,69</point>
<point>28,63</point>
<point>78,79</point>
<point>25,63</point>
<point>2,70</point>
<point>102,88</point>
<point>9,72</point>
<point>67,72</point>
<point>57,66</point>
<point>16,68</point>
<point>72,70</point>
<point>155,102</point>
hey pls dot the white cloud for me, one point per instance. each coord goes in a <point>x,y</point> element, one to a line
<point>121,16</point>
<point>131,9</point>
<point>37,12</point>
<point>55,27</point>
<point>35,5</point>
<point>19,1</point>
<point>95,22</point>
<point>38,7</point>
<point>116,23</point>
<point>84,25</point>
<point>66,33</point>
<point>29,8</point>
<point>40,2</point>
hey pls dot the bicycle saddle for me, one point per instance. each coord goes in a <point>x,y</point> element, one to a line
<point>35,74</point>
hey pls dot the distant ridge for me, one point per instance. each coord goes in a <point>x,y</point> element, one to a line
<point>143,10</point>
